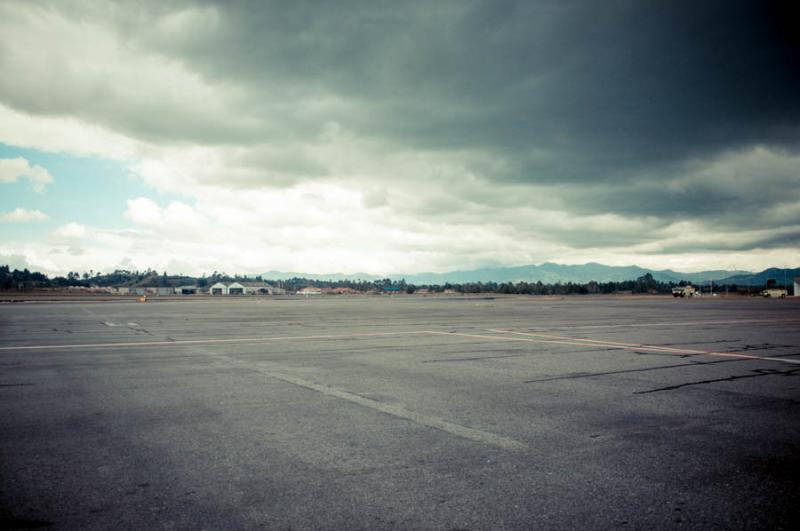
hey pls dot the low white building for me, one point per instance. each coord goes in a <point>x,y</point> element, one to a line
<point>236,288</point>
<point>260,288</point>
<point>797,286</point>
<point>310,291</point>
<point>244,288</point>
<point>218,289</point>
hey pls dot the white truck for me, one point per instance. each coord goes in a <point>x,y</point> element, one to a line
<point>775,293</point>
<point>684,291</point>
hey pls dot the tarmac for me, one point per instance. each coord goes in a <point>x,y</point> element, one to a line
<point>401,413</point>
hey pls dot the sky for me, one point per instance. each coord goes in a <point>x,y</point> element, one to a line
<point>385,137</point>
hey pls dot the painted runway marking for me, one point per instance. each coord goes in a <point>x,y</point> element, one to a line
<point>690,323</point>
<point>429,421</point>
<point>528,337</point>
<point>604,343</point>
<point>564,341</point>
<point>210,341</point>
<point>549,338</point>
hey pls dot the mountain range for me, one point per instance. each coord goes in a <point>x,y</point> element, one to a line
<point>551,273</point>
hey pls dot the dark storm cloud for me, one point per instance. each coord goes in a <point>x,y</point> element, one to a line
<point>755,188</point>
<point>736,242</point>
<point>562,90</point>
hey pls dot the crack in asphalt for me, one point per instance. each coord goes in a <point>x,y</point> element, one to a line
<point>627,371</point>
<point>758,373</point>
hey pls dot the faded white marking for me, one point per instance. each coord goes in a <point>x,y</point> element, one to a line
<point>109,323</point>
<point>784,360</point>
<point>429,421</point>
<point>605,343</point>
<point>688,323</point>
<point>534,340</point>
<point>210,341</point>
<point>548,338</point>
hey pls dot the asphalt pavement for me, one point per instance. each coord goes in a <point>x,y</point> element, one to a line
<point>401,413</point>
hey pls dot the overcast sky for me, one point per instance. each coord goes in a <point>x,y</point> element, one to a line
<point>398,136</point>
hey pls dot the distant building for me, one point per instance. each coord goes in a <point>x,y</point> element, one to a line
<point>260,288</point>
<point>101,289</point>
<point>275,290</point>
<point>340,291</point>
<point>245,287</point>
<point>122,290</point>
<point>797,286</point>
<point>236,288</point>
<point>310,291</point>
<point>219,289</point>
<point>186,290</point>
<point>165,291</point>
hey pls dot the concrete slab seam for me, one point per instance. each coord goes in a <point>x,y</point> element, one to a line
<point>429,421</point>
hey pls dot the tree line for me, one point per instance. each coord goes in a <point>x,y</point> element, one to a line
<point>28,280</point>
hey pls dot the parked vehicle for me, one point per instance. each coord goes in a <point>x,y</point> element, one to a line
<point>684,291</point>
<point>775,293</point>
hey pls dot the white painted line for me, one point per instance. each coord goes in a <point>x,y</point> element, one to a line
<point>484,336</point>
<point>784,360</point>
<point>209,341</point>
<point>601,342</point>
<point>688,323</point>
<point>547,338</point>
<point>534,338</point>
<point>429,421</point>
<point>567,341</point>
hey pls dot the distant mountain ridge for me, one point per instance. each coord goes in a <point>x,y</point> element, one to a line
<point>781,276</point>
<point>551,273</point>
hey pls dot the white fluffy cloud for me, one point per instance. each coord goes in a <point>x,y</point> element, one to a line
<point>319,228</point>
<point>71,231</point>
<point>13,169</point>
<point>23,215</point>
<point>175,216</point>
